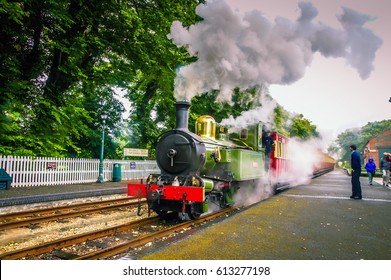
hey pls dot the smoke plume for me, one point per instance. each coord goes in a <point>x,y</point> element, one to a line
<point>242,50</point>
<point>307,155</point>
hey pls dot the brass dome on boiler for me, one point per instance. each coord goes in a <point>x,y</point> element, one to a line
<point>206,127</point>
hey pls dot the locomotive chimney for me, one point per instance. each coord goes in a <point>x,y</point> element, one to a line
<point>182,115</point>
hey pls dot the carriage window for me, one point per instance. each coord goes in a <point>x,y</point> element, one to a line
<point>279,149</point>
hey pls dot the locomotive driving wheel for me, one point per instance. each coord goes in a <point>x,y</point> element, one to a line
<point>188,216</point>
<point>195,216</point>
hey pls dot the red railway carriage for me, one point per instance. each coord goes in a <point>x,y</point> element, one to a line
<point>279,162</point>
<point>325,163</point>
<point>292,161</point>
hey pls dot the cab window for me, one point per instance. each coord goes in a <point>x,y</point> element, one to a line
<point>243,134</point>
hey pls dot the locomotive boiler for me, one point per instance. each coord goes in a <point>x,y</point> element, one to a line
<point>202,169</point>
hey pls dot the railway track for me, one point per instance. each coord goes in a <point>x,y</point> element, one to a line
<point>31,217</point>
<point>321,172</point>
<point>55,248</point>
<point>124,246</point>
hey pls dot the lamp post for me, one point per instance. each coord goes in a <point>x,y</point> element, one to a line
<point>101,178</point>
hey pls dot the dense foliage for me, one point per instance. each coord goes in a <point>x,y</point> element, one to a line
<point>62,64</point>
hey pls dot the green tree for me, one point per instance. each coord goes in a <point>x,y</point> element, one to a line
<point>151,91</point>
<point>60,60</point>
<point>207,104</point>
<point>302,128</point>
<point>280,120</point>
<point>344,140</point>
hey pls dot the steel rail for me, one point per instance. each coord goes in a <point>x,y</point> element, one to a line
<point>120,248</point>
<point>69,241</point>
<point>36,220</point>
<point>29,213</point>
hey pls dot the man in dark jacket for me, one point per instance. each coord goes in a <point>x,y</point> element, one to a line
<point>267,143</point>
<point>355,163</point>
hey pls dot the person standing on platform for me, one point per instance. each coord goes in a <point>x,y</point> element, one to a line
<point>385,168</point>
<point>267,143</point>
<point>355,163</point>
<point>370,166</point>
<point>389,161</point>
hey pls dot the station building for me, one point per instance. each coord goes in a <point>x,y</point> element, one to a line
<point>377,146</point>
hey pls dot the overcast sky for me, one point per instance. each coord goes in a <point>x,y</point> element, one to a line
<point>331,94</point>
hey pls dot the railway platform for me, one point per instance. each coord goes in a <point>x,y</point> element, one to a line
<point>317,221</point>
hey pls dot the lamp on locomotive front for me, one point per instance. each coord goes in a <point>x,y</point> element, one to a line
<point>206,127</point>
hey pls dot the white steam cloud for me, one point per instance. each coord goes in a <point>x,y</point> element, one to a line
<point>242,50</point>
<point>307,155</point>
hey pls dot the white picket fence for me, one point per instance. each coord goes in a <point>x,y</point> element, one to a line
<point>29,172</point>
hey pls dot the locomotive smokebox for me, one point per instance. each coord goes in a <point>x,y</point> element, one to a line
<point>182,115</point>
<point>179,151</point>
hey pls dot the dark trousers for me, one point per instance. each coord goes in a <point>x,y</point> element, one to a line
<point>267,162</point>
<point>356,186</point>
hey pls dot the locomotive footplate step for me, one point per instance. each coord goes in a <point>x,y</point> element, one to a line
<point>316,220</point>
